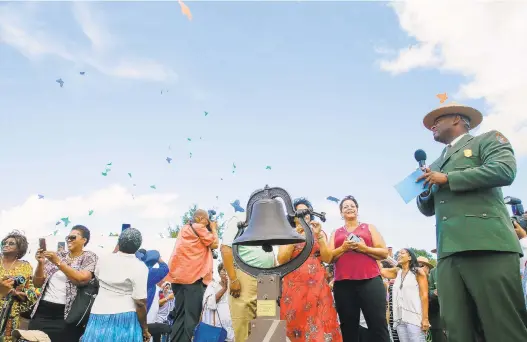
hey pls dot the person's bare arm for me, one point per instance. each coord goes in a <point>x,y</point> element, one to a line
<point>214,228</point>
<point>39,277</point>
<point>335,252</point>
<point>163,301</point>
<point>228,262</point>
<point>326,253</point>
<point>77,277</point>
<point>389,273</point>
<point>422,281</point>
<point>140,309</point>
<point>221,292</point>
<point>285,252</point>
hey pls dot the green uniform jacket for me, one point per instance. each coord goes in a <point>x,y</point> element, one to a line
<point>433,305</point>
<point>470,212</point>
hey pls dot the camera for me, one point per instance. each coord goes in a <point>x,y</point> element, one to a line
<point>18,281</point>
<point>212,213</point>
<point>517,211</point>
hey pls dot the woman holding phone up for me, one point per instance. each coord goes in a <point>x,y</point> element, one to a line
<point>59,274</point>
<point>358,284</point>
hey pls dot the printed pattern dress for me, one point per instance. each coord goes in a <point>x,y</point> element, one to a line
<point>25,270</point>
<point>307,302</point>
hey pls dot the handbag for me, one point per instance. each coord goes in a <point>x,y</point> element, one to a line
<point>209,333</point>
<point>83,302</point>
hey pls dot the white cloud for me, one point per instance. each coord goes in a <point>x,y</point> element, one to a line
<point>22,28</point>
<point>112,206</point>
<point>484,41</point>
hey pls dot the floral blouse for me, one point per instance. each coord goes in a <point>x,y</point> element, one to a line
<point>25,270</point>
<point>85,262</point>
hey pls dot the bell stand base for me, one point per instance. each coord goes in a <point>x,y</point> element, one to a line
<point>267,326</point>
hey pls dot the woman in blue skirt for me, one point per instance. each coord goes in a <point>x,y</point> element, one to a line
<point>119,311</point>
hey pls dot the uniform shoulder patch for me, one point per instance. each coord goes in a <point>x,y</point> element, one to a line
<point>501,138</point>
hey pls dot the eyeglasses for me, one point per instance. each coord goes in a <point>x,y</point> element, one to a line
<point>8,243</point>
<point>71,238</point>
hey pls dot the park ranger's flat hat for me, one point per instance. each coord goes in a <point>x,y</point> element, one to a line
<point>472,114</point>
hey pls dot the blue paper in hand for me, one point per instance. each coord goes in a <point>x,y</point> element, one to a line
<point>408,188</point>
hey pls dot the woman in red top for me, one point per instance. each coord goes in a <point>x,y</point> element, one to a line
<point>358,283</point>
<point>306,303</point>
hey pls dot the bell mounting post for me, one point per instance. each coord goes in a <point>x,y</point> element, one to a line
<point>266,225</point>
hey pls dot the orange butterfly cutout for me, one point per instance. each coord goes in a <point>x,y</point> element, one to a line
<point>442,97</point>
<point>185,10</point>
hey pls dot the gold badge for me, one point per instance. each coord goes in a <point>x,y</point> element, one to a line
<point>468,153</point>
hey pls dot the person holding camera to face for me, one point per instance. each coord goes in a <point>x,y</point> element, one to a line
<point>190,272</point>
<point>17,293</point>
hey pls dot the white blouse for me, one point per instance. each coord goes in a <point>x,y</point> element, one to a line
<point>406,301</point>
<point>217,314</point>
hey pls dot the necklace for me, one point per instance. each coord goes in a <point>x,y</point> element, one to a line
<point>403,277</point>
<point>70,259</point>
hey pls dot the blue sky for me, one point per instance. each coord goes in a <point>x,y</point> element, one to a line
<point>306,88</point>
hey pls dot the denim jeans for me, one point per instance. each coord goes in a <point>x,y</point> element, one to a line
<point>410,333</point>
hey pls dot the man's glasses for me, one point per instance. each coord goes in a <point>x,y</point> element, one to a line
<point>8,243</point>
<point>71,238</point>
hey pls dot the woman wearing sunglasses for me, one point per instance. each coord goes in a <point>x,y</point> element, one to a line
<point>20,295</point>
<point>59,274</point>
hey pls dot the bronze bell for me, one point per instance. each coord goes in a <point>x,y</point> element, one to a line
<point>268,226</point>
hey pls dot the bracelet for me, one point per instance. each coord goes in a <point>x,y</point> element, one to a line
<point>58,265</point>
<point>235,280</point>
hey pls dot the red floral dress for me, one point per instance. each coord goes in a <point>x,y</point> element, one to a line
<point>307,302</point>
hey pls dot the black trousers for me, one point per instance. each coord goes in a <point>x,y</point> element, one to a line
<point>438,335</point>
<point>364,335</point>
<point>49,319</point>
<point>187,311</point>
<point>368,295</point>
<point>157,330</point>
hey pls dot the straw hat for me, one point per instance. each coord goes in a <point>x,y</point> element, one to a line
<point>474,115</point>
<point>423,260</point>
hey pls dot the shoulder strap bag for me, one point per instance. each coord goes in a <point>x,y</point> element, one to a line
<point>83,302</point>
<point>209,333</point>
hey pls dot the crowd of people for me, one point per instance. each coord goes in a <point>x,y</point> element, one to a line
<point>351,288</point>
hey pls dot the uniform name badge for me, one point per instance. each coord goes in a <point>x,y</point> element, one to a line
<point>468,153</point>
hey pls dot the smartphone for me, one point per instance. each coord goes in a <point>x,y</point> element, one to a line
<point>61,245</point>
<point>353,238</point>
<point>125,226</point>
<point>42,244</point>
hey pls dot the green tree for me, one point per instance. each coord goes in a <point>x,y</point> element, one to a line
<point>174,232</point>
<point>422,252</point>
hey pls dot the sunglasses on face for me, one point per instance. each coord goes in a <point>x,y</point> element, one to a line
<point>71,238</point>
<point>8,243</point>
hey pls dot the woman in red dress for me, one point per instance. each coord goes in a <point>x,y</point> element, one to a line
<point>307,302</point>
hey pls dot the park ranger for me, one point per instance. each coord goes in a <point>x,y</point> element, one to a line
<point>478,283</point>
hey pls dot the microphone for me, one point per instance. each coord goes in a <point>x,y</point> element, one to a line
<point>420,157</point>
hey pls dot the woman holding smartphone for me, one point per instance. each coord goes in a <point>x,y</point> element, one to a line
<point>59,274</point>
<point>357,246</point>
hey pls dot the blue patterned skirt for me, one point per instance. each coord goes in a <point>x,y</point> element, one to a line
<point>122,327</point>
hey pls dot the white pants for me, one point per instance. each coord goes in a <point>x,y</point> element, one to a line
<point>410,333</point>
